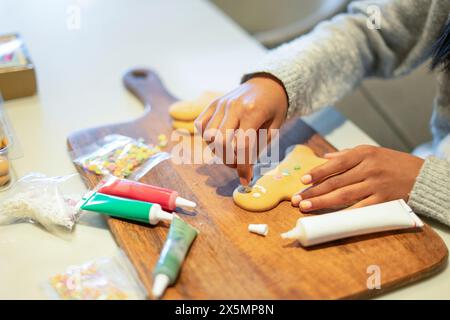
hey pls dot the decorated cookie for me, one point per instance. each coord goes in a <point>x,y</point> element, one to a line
<point>279,183</point>
<point>190,110</point>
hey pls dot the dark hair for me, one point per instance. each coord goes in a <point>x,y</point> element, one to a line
<point>441,50</point>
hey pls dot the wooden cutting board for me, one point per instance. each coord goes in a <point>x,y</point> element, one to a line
<point>226,261</point>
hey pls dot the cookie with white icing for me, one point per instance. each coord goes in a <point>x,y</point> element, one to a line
<point>279,183</point>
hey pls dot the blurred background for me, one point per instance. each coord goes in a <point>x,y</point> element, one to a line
<point>395,113</point>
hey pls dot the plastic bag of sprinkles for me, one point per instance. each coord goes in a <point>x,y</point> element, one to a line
<point>121,156</point>
<point>101,279</point>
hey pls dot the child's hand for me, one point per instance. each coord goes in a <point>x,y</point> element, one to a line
<point>359,177</point>
<point>259,103</point>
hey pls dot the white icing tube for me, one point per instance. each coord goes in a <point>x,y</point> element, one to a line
<point>392,215</point>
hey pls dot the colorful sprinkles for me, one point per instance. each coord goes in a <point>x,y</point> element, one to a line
<point>162,140</point>
<point>86,284</point>
<point>121,161</point>
<point>277,177</point>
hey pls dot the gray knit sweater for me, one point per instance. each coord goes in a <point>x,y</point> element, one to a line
<point>321,67</point>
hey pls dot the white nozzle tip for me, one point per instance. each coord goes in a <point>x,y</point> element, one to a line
<point>160,284</point>
<point>291,234</point>
<point>261,229</point>
<point>157,214</point>
<point>182,202</point>
<point>164,215</point>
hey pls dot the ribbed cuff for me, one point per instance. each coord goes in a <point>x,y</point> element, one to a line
<point>430,195</point>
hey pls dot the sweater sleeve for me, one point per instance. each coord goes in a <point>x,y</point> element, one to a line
<point>430,195</point>
<point>319,68</point>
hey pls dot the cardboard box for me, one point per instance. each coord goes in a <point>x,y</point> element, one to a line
<point>17,75</point>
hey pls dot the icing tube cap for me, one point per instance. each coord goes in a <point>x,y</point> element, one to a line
<point>160,284</point>
<point>292,234</point>
<point>261,229</point>
<point>157,214</point>
<point>182,202</point>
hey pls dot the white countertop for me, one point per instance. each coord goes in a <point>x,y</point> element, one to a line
<point>191,45</point>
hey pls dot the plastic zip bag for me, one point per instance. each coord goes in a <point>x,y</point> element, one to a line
<point>120,156</point>
<point>101,279</point>
<point>36,198</point>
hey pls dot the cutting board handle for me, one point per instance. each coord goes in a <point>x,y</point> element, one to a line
<point>145,85</point>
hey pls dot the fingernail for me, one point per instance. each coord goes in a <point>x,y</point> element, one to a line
<point>296,198</point>
<point>306,179</point>
<point>305,204</point>
<point>243,181</point>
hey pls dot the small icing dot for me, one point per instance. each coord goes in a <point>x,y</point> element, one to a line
<point>297,167</point>
<point>261,188</point>
<point>277,177</point>
<point>285,172</point>
<point>256,195</point>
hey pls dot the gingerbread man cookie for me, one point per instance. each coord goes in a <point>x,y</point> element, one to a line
<point>280,183</point>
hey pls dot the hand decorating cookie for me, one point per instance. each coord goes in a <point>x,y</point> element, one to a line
<point>279,183</point>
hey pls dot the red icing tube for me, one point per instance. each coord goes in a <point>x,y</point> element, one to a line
<point>168,199</point>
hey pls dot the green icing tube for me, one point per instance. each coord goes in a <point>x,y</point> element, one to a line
<point>180,237</point>
<point>126,208</point>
